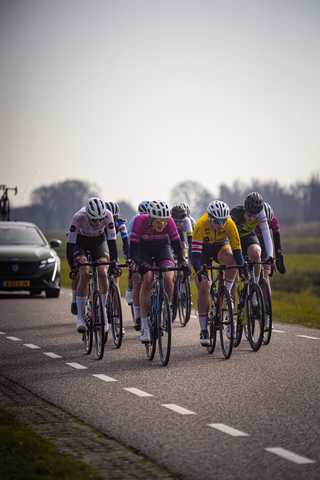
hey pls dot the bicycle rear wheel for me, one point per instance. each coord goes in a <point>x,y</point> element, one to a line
<point>226,326</point>
<point>267,311</point>
<point>174,300</point>
<point>98,323</point>
<point>184,301</point>
<point>164,328</point>
<point>212,333</point>
<point>88,334</point>
<point>238,327</point>
<point>115,315</point>
<point>255,320</point>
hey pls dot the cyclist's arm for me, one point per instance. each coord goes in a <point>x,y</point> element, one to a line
<point>69,254</point>
<point>134,246</point>
<point>178,250</point>
<point>266,233</point>
<point>125,238</point>
<point>113,251</point>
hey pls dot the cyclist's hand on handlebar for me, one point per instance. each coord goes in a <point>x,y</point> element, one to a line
<point>130,265</point>
<point>186,270</point>
<point>280,265</point>
<point>143,268</point>
<point>201,273</point>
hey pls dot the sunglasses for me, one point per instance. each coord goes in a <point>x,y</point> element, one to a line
<point>96,220</point>
<point>252,215</point>
<point>218,220</point>
<point>178,220</point>
<point>161,221</point>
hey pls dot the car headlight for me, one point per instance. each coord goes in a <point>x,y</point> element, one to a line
<point>49,261</point>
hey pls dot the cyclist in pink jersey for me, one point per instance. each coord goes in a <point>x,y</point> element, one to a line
<point>274,227</point>
<point>152,238</point>
<point>90,229</point>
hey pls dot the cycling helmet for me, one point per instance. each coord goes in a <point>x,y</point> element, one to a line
<point>268,211</point>
<point>95,208</point>
<point>186,206</point>
<point>218,209</point>
<point>158,209</point>
<point>178,212</point>
<point>253,202</point>
<point>142,208</point>
<point>113,207</point>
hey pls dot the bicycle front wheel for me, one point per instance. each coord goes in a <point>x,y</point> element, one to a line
<point>267,311</point>
<point>164,328</point>
<point>115,315</point>
<point>255,321</point>
<point>238,313</point>
<point>98,323</point>
<point>88,334</point>
<point>174,299</point>
<point>184,301</point>
<point>226,326</point>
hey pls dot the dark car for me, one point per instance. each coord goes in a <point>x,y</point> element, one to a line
<point>27,261</point>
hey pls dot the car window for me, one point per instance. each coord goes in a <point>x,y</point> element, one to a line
<point>20,236</point>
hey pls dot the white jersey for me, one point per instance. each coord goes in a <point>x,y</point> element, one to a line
<point>81,225</point>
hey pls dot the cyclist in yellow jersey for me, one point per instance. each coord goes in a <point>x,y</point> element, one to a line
<point>215,237</point>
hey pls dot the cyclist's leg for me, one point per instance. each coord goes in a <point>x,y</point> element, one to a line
<point>164,258</point>
<point>254,252</point>
<point>203,289</point>
<point>82,286</point>
<point>145,291</point>
<point>225,256</point>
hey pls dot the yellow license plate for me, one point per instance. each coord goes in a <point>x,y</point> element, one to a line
<point>16,283</point>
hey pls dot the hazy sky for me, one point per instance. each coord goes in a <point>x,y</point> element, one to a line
<point>140,95</point>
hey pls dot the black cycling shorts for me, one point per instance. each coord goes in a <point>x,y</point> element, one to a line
<point>247,240</point>
<point>97,246</point>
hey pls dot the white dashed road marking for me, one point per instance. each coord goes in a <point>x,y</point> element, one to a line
<point>52,355</point>
<point>2,333</point>
<point>77,365</point>
<point>30,345</point>
<point>15,339</point>
<point>138,392</point>
<point>105,377</point>
<point>293,457</point>
<point>225,429</point>
<point>176,408</point>
<point>306,336</point>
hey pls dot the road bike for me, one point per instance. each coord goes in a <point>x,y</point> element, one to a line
<point>181,299</point>
<point>159,318</point>
<point>220,317</point>
<point>114,310</point>
<point>250,309</point>
<point>94,312</point>
<point>5,203</point>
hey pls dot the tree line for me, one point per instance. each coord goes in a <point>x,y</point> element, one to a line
<point>53,206</point>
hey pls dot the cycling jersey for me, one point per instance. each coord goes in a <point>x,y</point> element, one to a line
<point>205,240</point>
<point>144,239</point>
<point>131,223</point>
<point>81,225</point>
<point>120,226</point>
<point>246,228</point>
<point>87,236</point>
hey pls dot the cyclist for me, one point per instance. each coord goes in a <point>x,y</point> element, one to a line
<point>183,224</point>
<point>90,228</point>
<point>133,290</point>
<point>273,223</point>
<point>247,218</point>
<point>215,237</point>
<point>120,225</point>
<point>153,236</point>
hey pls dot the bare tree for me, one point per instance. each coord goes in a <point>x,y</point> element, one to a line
<point>194,194</point>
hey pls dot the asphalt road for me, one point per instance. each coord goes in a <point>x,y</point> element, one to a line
<point>254,416</point>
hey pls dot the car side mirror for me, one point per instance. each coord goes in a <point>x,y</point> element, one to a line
<point>54,243</point>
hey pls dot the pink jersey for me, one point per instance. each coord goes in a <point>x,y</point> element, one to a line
<point>141,230</point>
<point>273,225</point>
<point>81,225</point>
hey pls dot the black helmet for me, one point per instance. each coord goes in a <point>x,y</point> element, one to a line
<point>253,202</point>
<point>178,212</point>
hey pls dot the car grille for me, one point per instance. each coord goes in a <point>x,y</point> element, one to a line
<point>9,269</point>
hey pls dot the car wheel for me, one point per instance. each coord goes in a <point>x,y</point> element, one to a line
<point>53,293</point>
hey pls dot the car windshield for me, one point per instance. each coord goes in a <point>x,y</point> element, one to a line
<point>20,235</point>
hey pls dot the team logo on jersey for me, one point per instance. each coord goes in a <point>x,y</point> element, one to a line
<point>111,225</point>
<point>72,228</point>
<point>206,239</point>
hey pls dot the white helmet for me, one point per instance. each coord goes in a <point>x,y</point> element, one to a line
<point>95,208</point>
<point>113,207</point>
<point>218,209</point>
<point>158,209</point>
<point>268,211</point>
<point>142,208</point>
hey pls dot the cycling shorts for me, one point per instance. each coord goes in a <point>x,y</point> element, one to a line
<point>161,251</point>
<point>212,252</point>
<point>97,246</point>
<point>247,240</point>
